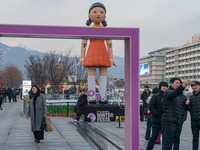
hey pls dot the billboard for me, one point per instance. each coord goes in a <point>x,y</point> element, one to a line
<point>144,69</point>
<point>26,87</point>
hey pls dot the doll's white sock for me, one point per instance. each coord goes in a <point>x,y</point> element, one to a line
<point>102,85</point>
<point>91,88</point>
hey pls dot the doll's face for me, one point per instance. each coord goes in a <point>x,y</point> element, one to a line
<point>97,15</point>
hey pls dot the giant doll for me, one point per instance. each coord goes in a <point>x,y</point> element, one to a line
<point>99,54</point>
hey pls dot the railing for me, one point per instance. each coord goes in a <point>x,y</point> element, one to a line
<point>61,96</point>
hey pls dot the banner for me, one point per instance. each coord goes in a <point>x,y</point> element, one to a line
<point>26,87</point>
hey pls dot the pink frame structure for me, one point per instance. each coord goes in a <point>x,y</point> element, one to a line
<point>131,39</point>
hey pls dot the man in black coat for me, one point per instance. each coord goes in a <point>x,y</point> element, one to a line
<point>171,112</point>
<point>155,108</point>
<point>81,105</point>
<point>183,117</point>
<point>143,110</point>
<point>9,93</point>
<point>193,104</point>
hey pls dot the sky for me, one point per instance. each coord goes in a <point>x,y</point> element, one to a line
<point>162,23</point>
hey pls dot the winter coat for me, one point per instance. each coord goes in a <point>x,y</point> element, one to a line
<point>183,107</point>
<point>171,109</point>
<point>9,92</point>
<point>194,106</point>
<point>144,96</point>
<point>40,110</point>
<point>155,107</point>
<point>81,104</point>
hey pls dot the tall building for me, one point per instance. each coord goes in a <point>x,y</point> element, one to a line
<point>152,68</point>
<point>184,61</point>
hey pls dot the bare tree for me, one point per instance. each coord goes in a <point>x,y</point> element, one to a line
<point>80,70</point>
<point>12,76</point>
<point>56,69</point>
<point>36,70</point>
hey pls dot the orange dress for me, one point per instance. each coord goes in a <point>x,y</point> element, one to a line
<point>97,55</point>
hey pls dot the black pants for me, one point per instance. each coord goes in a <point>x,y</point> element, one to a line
<point>156,128</point>
<point>9,97</point>
<point>148,129</point>
<point>168,130</point>
<point>177,136</point>
<point>14,98</point>
<point>195,125</point>
<point>38,135</point>
<point>0,105</point>
<point>143,112</point>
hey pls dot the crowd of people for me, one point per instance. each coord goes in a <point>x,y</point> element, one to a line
<point>165,109</point>
<point>9,93</point>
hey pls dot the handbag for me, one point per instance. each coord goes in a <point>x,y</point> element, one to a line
<point>48,125</point>
<point>43,125</point>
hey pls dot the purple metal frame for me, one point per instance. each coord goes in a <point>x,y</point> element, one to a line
<point>131,38</point>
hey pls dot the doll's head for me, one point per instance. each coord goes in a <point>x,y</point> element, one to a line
<point>97,14</point>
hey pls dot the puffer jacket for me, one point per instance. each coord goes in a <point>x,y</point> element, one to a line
<point>194,106</point>
<point>155,107</point>
<point>183,108</point>
<point>171,109</point>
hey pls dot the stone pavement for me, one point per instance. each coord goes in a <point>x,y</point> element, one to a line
<point>15,133</point>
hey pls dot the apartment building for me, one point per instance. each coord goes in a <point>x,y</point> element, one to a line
<point>184,61</point>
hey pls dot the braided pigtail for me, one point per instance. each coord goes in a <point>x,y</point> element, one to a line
<point>104,23</point>
<point>89,21</point>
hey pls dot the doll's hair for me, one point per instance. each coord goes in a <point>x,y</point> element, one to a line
<point>97,4</point>
<point>88,22</point>
<point>104,23</point>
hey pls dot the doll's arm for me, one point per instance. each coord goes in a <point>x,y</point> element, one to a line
<point>83,50</point>
<point>110,52</point>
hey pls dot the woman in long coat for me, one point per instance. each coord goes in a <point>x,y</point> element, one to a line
<point>36,111</point>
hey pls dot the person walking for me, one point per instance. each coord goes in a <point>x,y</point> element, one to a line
<point>193,105</point>
<point>9,93</point>
<point>171,111</point>
<point>1,100</point>
<point>14,93</point>
<point>143,110</point>
<point>149,116</point>
<point>4,94</point>
<point>37,110</point>
<point>81,105</point>
<point>155,108</point>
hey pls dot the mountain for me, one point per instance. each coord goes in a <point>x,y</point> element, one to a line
<point>18,55</point>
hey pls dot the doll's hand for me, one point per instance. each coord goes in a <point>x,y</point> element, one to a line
<point>112,62</point>
<point>81,61</point>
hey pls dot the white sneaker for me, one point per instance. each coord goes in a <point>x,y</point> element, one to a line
<point>75,121</point>
<point>146,141</point>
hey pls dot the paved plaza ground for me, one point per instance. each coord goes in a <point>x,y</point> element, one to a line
<point>15,133</point>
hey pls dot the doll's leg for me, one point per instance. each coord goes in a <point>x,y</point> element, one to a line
<point>102,81</point>
<point>91,83</point>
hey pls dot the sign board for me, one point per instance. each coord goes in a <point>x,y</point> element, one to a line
<point>26,87</point>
